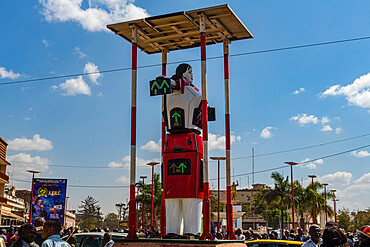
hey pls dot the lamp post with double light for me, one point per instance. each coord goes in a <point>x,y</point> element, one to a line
<point>313,200</point>
<point>218,189</point>
<point>152,164</point>
<point>142,203</point>
<point>335,205</point>
<point>326,210</point>
<point>32,185</point>
<point>291,176</point>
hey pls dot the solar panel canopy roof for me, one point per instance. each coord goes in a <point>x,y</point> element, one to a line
<point>178,31</point>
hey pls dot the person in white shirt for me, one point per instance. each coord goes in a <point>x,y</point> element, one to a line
<point>315,239</point>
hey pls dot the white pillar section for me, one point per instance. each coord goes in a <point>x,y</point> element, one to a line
<point>204,98</point>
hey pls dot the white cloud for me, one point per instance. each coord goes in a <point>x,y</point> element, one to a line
<point>266,132</point>
<point>95,16</point>
<point>152,146</point>
<point>337,179</point>
<point>313,165</point>
<point>93,69</point>
<point>338,130</point>
<point>301,90</point>
<point>303,119</point>
<point>79,53</point>
<point>114,164</point>
<point>126,162</point>
<point>351,205</point>
<point>8,74</point>
<point>325,120</point>
<point>27,118</point>
<point>46,43</point>
<point>123,180</point>
<point>22,162</point>
<point>219,142</point>
<point>326,128</point>
<point>36,143</point>
<point>357,93</point>
<point>73,87</point>
<point>364,179</point>
<point>361,154</point>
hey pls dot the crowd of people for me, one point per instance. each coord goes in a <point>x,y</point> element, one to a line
<point>44,234</point>
<point>48,234</point>
<point>331,236</point>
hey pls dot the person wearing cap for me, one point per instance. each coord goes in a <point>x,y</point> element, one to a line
<point>364,236</point>
<point>314,240</point>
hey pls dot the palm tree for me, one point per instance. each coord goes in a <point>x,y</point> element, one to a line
<point>280,195</point>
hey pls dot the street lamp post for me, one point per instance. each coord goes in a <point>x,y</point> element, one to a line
<point>65,211</point>
<point>313,201</point>
<point>335,205</point>
<point>33,178</point>
<point>152,164</point>
<point>218,189</point>
<point>291,176</point>
<point>142,204</point>
<point>326,210</point>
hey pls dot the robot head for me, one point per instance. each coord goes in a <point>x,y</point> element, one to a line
<point>185,71</point>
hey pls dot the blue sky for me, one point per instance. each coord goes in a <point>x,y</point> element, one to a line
<point>279,100</point>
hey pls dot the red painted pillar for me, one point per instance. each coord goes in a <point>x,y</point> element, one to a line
<point>163,204</point>
<point>30,213</point>
<point>206,202</point>
<point>132,204</point>
<point>229,207</point>
<point>313,206</point>
<point>291,175</point>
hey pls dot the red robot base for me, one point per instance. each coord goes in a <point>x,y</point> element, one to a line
<point>183,182</point>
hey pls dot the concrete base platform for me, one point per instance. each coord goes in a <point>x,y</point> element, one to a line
<point>177,243</point>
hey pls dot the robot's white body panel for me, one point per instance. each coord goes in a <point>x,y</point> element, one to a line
<point>188,101</point>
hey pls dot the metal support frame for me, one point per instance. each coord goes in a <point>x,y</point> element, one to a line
<point>206,201</point>
<point>163,202</point>
<point>229,207</point>
<point>132,203</point>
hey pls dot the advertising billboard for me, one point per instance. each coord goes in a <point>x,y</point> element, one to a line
<point>48,199</point>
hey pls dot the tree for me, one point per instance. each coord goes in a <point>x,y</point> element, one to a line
<point>111,221</point>
<point>122,209</point>
<point>344,219</point>
<point>146,197</point>
<point>89,213</point>
<point>279,195</point>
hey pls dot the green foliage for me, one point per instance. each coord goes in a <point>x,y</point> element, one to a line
<point>214,205</point>
<point>344,219</point>
<point>90,214</point>
<point>111,221</point>
<point>246,208</point>
<point>146,197</point>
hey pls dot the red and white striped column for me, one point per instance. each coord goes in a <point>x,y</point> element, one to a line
<point>163,205</point>
<point>206,201</point>
<point>132,203</point>
<point>229,207</point>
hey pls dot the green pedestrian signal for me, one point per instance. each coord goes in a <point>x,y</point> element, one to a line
<point>177,119</point>
<point>160,86</point>
<point>182,166</point>
<point>178,167</point>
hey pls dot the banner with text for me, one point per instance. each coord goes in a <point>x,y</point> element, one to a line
<point>48,199</point>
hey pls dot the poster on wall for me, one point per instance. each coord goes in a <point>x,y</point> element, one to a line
<point>48,199</point>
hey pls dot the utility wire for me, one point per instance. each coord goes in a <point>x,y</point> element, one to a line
<point>238,158</point>
<point>302,148</point>
<point>238,175</point>
<point>300,163</point>
<point>191,60</point>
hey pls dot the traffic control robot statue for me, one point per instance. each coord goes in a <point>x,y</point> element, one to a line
<point>182,170</point>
